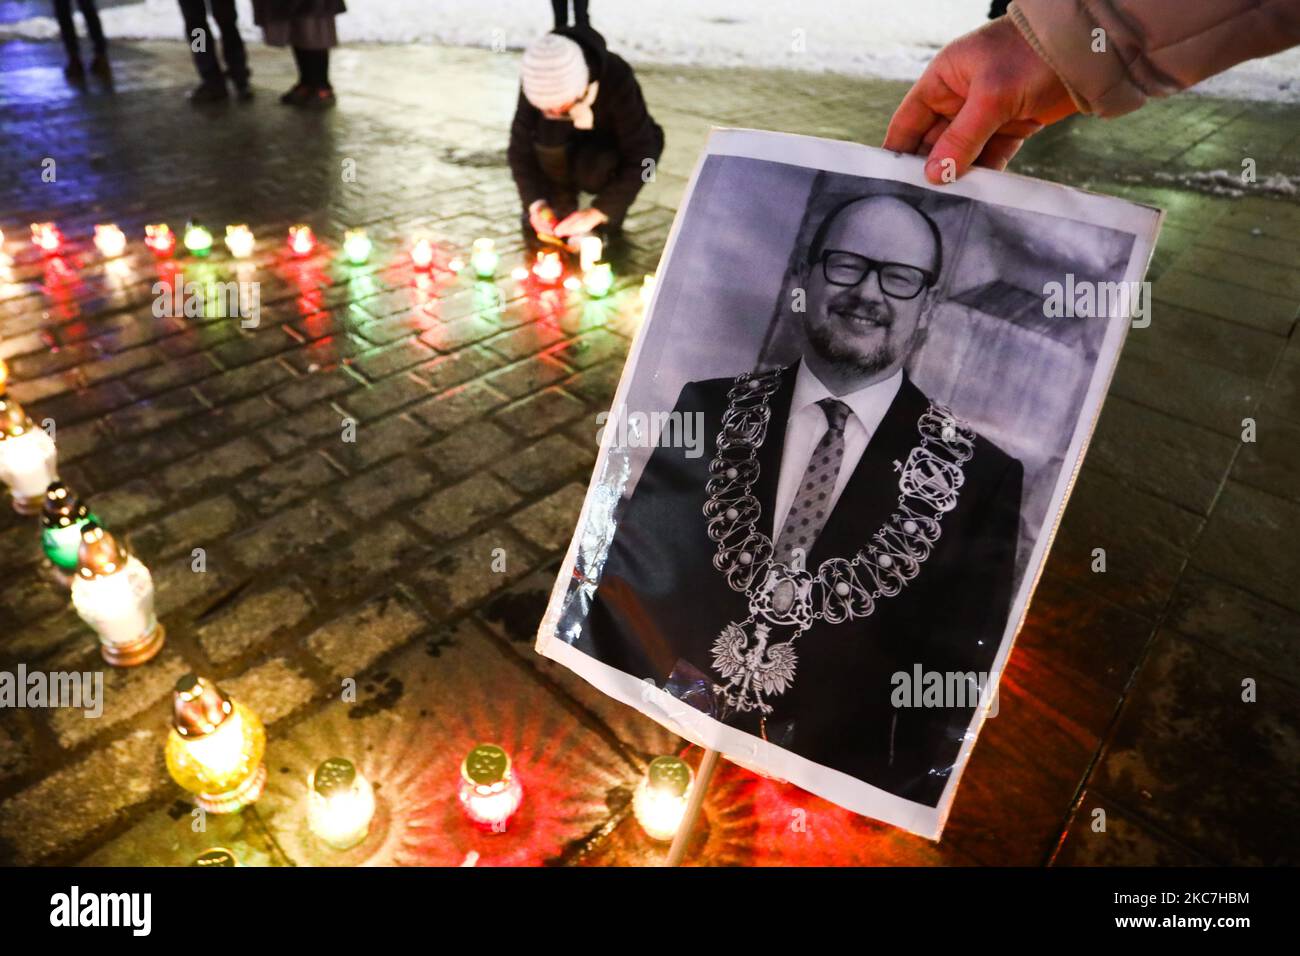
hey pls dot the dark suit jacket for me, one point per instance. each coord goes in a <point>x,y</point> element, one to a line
<point>660,604</point>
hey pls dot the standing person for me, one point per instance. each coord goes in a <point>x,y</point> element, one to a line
<point>308,27</point>
<point>74,71</point>
<point>212,85</point>
<point>581,125</point>
<point>561,8</point>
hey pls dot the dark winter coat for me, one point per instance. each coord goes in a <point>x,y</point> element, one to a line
<point>265,11</point>
<point>621,122</point>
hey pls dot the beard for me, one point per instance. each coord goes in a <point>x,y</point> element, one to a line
<point>835,350</point>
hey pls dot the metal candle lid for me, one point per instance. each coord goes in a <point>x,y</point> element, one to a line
<point>198,707</point>
<point>669,775</point>
<point>13,419</point>
<point>335,775</point>
<point>100,554</point>
<point>486,765</point>
<point>61,508</point>
<point>217,856</point>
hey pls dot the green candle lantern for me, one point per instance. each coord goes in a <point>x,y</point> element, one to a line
<point>62,518</point>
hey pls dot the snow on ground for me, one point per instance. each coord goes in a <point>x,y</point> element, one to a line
<point>879,38</point>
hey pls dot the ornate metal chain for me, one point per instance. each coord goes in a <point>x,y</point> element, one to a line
<point>842,588</point>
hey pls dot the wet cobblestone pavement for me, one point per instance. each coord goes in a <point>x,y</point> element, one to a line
<point>328,559</point>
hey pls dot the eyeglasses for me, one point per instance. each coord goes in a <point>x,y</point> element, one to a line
<point>897,280</point>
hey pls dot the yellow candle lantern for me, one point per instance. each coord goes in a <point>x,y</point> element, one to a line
<point>215,747</point>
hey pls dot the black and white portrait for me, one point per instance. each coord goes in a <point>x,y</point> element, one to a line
<point>840,447</point>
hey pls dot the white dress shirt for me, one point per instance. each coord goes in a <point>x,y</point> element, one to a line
<point>807,424</point>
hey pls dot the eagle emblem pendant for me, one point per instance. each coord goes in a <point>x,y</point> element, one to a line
<point>753,668</point>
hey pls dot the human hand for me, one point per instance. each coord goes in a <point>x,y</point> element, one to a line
<point>580,222</point>
<point>542,218</point>
<point>977,101</point>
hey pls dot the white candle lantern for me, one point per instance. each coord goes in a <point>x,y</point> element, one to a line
<point>590,250</point>
<point>489,791</point>
<point>340,803</point>
<point>28,459</point>
<point>113,593</point>
<point>660,800</point>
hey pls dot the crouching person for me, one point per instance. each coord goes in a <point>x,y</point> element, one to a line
<point>581,126</point>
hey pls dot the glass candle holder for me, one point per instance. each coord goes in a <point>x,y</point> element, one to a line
<point>356,246</point>
<point>113,593</point>
<point>340,803</point>
<point>46,237</point>
<point>240,241</point>
<point>422,254</point>
<point>216,856</point>
<point>110,241</point>
<point>548,267</point>
<point>160,239</point>
<point>598,280</point>
<point>590,251</point>
<point>489,791</point>
<point>301,240</point>
<point>198,240</point>
<point>62,518</point>
<point>484,258</point>
<point>661,797</point>
<point>28,459</point>
<point>215,747</point>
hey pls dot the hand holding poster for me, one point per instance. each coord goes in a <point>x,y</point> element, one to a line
<point>838,454</point>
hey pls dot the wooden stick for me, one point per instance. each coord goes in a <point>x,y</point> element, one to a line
<point>702,777</point>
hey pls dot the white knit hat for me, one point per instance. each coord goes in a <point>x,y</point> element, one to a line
<point>554,72</point>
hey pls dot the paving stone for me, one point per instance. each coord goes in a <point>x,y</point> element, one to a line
<point>453,511</point>
<point>549,524</point>
<point>1193,757</point>
<point>127,692</point>
<point>193,527</point>
<point>373,492</point>
<point>388,395</point>
<point>274,488</point>
<point>1244,522</point>
<point>1189,290</point>
<point>1271,462</point>
<point>352,643</point>
<point>540,413</point>
<point>1179,462</point>
<point>458,406</point>
<point>250,621</point>
<point>15,750</point>
<point>285,536</point>
<point>72,803</point>
<point>1115,838</point>
<point>376,441</point>
<point>273,690</point>
<point>457,580</point>
<point>214,466</point>
<point>543,465</point>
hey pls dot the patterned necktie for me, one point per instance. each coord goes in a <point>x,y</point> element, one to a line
<point>812,502</point>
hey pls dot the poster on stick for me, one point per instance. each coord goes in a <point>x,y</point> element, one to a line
<point>835,462</point>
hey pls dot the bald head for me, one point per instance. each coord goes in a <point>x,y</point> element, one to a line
<point>885,228</point>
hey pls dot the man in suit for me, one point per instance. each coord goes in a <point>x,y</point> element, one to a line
<point>846,531</point>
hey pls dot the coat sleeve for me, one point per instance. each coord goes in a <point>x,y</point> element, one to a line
<point>527,171</point>
<point>638,138</point>
<point>1112,54</point>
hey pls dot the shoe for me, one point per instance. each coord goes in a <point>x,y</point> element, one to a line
<point>99,66</point>
<point>243,91</point>
<point>319,98</point>
<point>297,95</point>
<point>74,72</point>
<point>208,93</point>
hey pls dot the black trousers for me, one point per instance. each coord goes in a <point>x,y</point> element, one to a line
<point>63,13</point>
<point>313,67</point>
<point>585,165</point>
<point>561,9</point>
<point>195,13</point>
